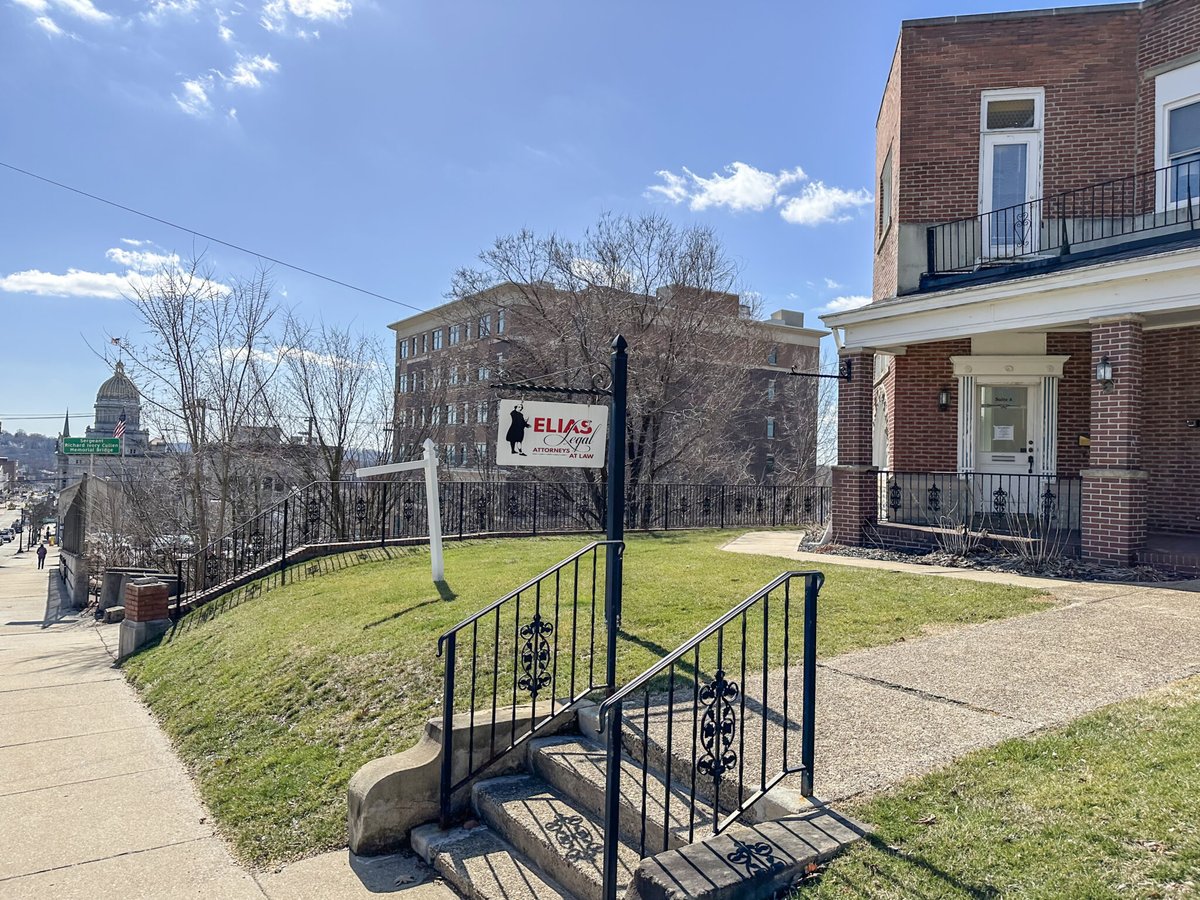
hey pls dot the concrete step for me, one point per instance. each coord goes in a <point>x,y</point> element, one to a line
<point>561,837</point>
<point>481,865</point>
<point>575,766</point>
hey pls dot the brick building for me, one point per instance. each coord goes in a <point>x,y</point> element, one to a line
<point>447,359</point>
<point>1035,327</point>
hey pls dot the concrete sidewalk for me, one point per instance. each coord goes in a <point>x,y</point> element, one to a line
<point>93,801</point>
<point>900,710</point>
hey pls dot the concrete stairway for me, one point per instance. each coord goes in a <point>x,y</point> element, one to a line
<point>541,834</point>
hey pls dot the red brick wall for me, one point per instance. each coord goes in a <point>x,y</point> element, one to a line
<point>887,138</point>
<point>1171,450</point>
<point>1085,61</point>
<point>925,439</point>
<point>1074,398</point>
<point>1169,30</point>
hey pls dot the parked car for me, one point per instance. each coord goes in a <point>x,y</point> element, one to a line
<point>6,535</point>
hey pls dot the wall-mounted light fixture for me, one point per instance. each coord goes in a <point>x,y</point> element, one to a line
<point>1104,374</point>
<point>943,399</point>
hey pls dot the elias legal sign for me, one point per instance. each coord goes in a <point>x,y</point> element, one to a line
<point>567,435</point>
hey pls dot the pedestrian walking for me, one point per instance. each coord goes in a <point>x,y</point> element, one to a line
<point>41,555</point>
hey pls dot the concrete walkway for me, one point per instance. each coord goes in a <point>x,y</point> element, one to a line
<point>900,710</point>
<point>93,801</point>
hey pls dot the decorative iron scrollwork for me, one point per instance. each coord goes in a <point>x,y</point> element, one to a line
<point>535,655</point>
<point>1049,504</point>
<point>1022,227</point>
<point>513,508</point>
<point>360,509</point>
<point>706,507</point>
<point>574,837</point>
<point>313,569</point>
<point>999,501</point>
<point>212,566</point>
<point>718,726</point>
<point>895,495</point>
<point>934,498</point>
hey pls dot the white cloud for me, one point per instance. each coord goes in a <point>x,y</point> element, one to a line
<point>833,285</point>
<point>37,6</point>
<point>144,261</point>
<point>84,9</point>
<point>225,32</point>
<point>160,9</point>
<point>742,187</point>
<point>75,283</point>
<point>49,26</point>
<point>133,242</point>
<point>818,203</point>
<point>276,14</point>
<point>195,101</point>
<point>246,72</point>
<point>844,304</point>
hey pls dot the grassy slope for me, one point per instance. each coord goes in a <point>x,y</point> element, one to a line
<point>277,702</point>
<point>1107,807</point>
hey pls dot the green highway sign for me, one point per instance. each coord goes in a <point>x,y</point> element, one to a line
<point>85,446</point>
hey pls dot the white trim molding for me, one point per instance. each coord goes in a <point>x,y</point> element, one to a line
<point>1003,366</point>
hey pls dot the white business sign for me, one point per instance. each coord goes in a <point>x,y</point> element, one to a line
<point>569,435</point>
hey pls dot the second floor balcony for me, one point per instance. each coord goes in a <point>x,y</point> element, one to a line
<point>1124,215</point>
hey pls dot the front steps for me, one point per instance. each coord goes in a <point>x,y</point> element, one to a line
<point>540,834</point>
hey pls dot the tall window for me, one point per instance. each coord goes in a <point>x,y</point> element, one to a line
<point>1183,152</point>
<point>485,325</point>
<point>404,348</point>
<point>402,382</point>
<point>773,357</point>
<point>451,414</point>
<point>771,389</point>
<point>454,374</point>
<point>437,339</point>
<point>413,345</point>
<point>885,194</point>
<point>481,450</point>
<point>436,412</point>
<point>770,426</point>
<point>500,321</point>
<point>455,334</point>
<point>481,412</point>
<point>484,373</point>
<point>425,343</point>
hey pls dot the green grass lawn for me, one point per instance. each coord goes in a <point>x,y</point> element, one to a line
<point>1107,807</point>
<point>276,702</point>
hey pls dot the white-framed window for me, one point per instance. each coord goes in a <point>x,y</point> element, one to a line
<point>451,414</point>
<point>462,454</point>
<point>1177,135</point>
<point>402,382</point>
<point>404,348</point>
<point>454,374</point>
<point>481,412</point>
<point>413,345</point>
<point>485,324</point>
<point>484,372</point>
<point>436,413</point>
<point>437,339</point>
<point>422,417</point>
<point>455,334</point>
<point>773,357</point>
<point>1010,167</point>
<point>771,389</point>
<point>769,468</point>
<point>481,452</point>
<point>885,194</point>
<point>770,426</point>
<point>500,323</point>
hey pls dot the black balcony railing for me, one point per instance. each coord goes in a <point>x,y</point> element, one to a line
<point>1111,213</point>
<point>1026,506</point>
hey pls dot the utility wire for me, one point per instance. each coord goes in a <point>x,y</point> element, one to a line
<point>207,237</point>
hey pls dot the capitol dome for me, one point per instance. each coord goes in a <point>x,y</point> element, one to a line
<point>119,387</point>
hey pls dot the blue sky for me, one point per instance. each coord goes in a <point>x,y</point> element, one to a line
<point>386,143</point>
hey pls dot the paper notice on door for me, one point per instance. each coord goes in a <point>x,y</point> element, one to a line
<point>1002,432</point>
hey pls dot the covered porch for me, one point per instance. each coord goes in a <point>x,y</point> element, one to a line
<point>1060,407</point>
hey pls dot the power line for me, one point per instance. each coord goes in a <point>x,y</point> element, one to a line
<point>207,237</point>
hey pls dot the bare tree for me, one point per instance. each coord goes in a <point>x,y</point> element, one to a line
<point>208,357</point>
<point>668,290</point>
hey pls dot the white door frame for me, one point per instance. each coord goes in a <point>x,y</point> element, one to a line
<point>1032,138</point>
<point>1020,463</point>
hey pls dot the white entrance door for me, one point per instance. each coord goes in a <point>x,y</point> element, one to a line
<point>1008,438</point>
<point>1009,192</point>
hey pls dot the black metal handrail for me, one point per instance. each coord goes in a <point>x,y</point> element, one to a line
<point>711,713</point>
<point>1157,200</point>
<point>535,647</point>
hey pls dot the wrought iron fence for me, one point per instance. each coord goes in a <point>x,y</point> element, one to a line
<point>1160,201</point>
<point>543,642</point>
<point>1022,505</point>
<point>717,717</point>
<point>353,513</point>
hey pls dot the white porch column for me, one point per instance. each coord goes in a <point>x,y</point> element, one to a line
<point>1048,451</point>
<point>966,423</point>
